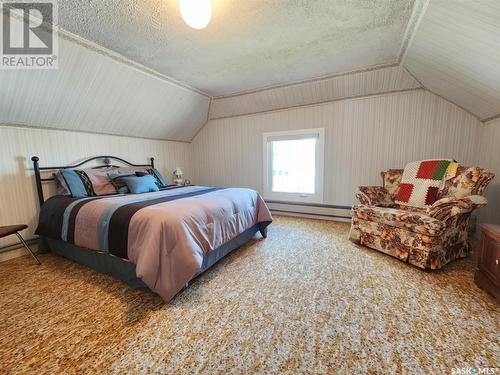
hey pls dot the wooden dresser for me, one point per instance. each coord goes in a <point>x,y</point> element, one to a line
<point>488,274</point>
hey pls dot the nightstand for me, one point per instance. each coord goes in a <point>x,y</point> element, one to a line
<point>487,276</point>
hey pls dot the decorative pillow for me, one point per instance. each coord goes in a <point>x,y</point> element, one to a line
<point>159,179</point>
<point>118,181</point>
<point>74,183</point>
<point>102,181</point>
<point>99,180</point>
<point>138,185</point>
<point>85,183</point>
<point>61,186</point>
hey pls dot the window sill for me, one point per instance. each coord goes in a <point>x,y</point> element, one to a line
<point>293,197</point>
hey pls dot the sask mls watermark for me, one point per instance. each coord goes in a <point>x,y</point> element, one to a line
<point>28,35</point>
<point>474,370</point>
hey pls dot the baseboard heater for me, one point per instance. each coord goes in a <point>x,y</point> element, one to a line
<point>17,245</point>
<point>332,212</point>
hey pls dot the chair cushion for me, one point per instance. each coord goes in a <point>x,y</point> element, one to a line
<point>413,221</point>
<point>11,229</point>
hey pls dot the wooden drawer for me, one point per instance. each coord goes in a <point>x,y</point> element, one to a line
<point>488,273</point>
<point>489,258</point>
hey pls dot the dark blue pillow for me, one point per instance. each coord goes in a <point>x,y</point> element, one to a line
<point>117,179</point>
<point>138,185</point>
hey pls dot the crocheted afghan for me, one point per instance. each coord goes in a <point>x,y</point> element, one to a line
<point>422,180</point>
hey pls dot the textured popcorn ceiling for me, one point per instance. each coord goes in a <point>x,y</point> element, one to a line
<point>249,44</point>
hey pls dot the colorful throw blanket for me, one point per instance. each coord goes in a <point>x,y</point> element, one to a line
<point>422,180</point>
<point>165,234</point>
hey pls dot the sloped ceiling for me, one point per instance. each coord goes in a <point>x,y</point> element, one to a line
<point>92,92</point>
<point>248,44</point>
<point>363,83</point>
<point>132,67</point>
<point>456,53</point>
<point>451,48</point>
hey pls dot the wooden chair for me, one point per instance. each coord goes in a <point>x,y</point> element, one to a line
<point>15,229</point>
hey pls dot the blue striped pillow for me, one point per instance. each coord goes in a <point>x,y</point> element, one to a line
<point>74,183</point>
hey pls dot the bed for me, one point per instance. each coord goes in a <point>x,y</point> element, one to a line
<point>157,240</point>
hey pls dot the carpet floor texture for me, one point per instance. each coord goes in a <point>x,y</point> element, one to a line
<point>304,300</point>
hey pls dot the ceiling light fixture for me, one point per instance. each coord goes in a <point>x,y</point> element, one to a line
<point>196,13</point>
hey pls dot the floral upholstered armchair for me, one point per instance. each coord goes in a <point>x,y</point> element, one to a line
<point>425,237</point>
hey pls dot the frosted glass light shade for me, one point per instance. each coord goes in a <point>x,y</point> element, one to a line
<point>196,13</point>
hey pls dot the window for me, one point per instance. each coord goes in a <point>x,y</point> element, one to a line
<point>293,165</point>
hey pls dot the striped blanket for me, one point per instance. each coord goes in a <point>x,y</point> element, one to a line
<point>165,233</point>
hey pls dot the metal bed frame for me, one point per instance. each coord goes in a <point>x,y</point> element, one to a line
<point>106,164</point>
<point>107,263</point>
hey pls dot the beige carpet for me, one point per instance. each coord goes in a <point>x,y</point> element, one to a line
<point>305,300</point>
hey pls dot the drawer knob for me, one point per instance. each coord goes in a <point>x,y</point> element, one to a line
<point>496,262</point>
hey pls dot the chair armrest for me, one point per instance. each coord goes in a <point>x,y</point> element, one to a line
<point>446,208</point>
<point>374,196</point>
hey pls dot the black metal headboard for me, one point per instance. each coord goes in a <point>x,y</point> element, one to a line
<point>106,164</point>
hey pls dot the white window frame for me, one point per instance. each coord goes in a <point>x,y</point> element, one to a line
<point>317,197</point>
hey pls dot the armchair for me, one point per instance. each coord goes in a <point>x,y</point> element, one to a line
<point>427,238</point>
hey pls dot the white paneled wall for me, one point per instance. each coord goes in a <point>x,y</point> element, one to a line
<point>363,137</point>
<point>316,91</point>
<point>489,157</point>
<point>18,199</point>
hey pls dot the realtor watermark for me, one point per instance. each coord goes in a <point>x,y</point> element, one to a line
<point>28,36</point>
<point>474,370</point>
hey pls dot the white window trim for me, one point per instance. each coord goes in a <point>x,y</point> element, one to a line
<point>320,159</point>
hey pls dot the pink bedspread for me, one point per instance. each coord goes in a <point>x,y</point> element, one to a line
<point>166,234</point>
<point>167,241</point>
